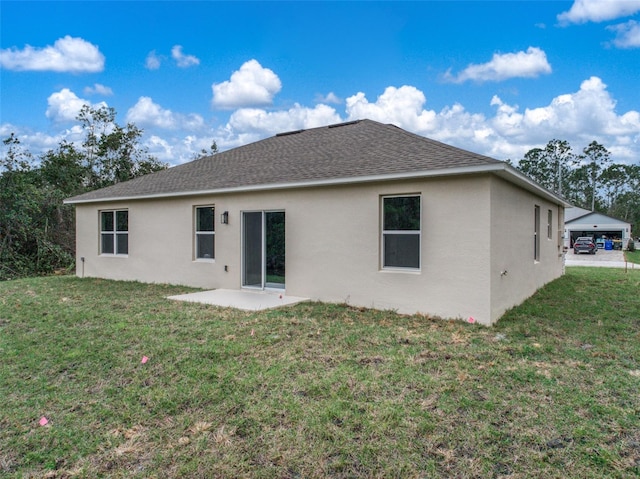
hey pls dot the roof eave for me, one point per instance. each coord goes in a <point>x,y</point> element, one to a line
<point>514,176</point>
<point>502,169</point>
<point>582,217</point>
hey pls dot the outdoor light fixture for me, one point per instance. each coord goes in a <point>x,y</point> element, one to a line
<point>224,218</point>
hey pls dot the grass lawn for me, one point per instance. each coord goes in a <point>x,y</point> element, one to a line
<point>632,256</point>
<point>317,390</point>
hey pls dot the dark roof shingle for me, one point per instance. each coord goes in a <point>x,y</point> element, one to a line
<point>336,152</point>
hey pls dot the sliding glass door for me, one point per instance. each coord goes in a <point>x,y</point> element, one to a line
<point>252,249</point>
<point>263,249</point>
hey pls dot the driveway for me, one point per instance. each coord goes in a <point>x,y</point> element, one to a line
<point>608,259</point>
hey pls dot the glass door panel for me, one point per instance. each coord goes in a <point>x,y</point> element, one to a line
<point>252,249</point>
<point>274,249</point>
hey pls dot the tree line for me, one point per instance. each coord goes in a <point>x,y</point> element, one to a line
<point>588,179</point>
<point>37,231</point>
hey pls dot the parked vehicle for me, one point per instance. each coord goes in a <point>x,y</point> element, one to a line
<point>584,244</point>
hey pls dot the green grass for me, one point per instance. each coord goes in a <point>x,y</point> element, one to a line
<point>317,390</point>
<point>632,256</point>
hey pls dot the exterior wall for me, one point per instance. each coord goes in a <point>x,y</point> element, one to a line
<point>512,246</point>
<point>338,258</point>
<point>332,245</point>
<point>473,229</point>
<point>160,244</point>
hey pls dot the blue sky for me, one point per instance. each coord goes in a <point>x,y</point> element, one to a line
<point>497,78</point>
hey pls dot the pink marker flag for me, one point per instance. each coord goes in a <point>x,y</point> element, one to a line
<point>43,421</point>
<point>472,319</point>
<point>144,359</point>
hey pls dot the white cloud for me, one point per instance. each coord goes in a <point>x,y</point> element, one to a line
<point>627,34</point>
<point>182,60</point>
<point>404,107</point>
<point>178,149</point>
<point>589,109</point>
<point>65,105</point>
<point>401,106</point>
<point>98,89</point>
<point>161,149</point>
<point>581,116</point>
<point>147,113</point>
<point>67,54</point>
<point>39,142</point>
<point>583,11</point>
<point>529,64</point>
<point>152,62</point>
<point>578,117</point>
<point>252,85</point>
<point>328,98</point>
<point>250,124</point>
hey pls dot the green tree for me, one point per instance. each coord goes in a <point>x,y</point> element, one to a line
<point>65,169</point>
<point>112,152</point>
<point>625,200</point>
<point>597,159</point>
<point>578,190</point>
<point>550,166</point>
<point>561,158</point>
<point>535,166</point>
<point>37,231</point>
<point>26,246</point>
<point>63,173</point>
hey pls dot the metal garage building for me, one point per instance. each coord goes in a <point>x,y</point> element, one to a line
<point>580,222</point>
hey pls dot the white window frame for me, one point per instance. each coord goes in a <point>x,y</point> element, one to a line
<point>384,232</point>
<point>549,223</point>
<point>115,232</point>
<point>197,233</point>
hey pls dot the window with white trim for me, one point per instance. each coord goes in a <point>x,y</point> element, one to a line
<point>205,232</point>
<point>549,224</point>
<point>114,232</point>
<point>401,231</point>
<point>536,233</point>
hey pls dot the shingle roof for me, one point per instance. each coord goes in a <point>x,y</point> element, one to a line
<point>352,150</point>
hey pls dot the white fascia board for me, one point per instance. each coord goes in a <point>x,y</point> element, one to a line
<point>512,175</point>
<point>502,169</point>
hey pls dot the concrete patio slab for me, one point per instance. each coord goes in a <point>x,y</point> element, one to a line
<point>240,299</point>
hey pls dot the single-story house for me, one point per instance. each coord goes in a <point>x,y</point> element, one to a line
<point>581,222</point>
<point>358,212</point>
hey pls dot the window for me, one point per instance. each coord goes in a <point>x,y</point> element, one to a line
<point>114,232</point>
<point>205,232</point>
<point>401,232</point>
<point>549,224</point>
<point>536,233</point>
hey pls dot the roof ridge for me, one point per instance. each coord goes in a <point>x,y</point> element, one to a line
<point>333,125</point>
<point>363,148</point>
